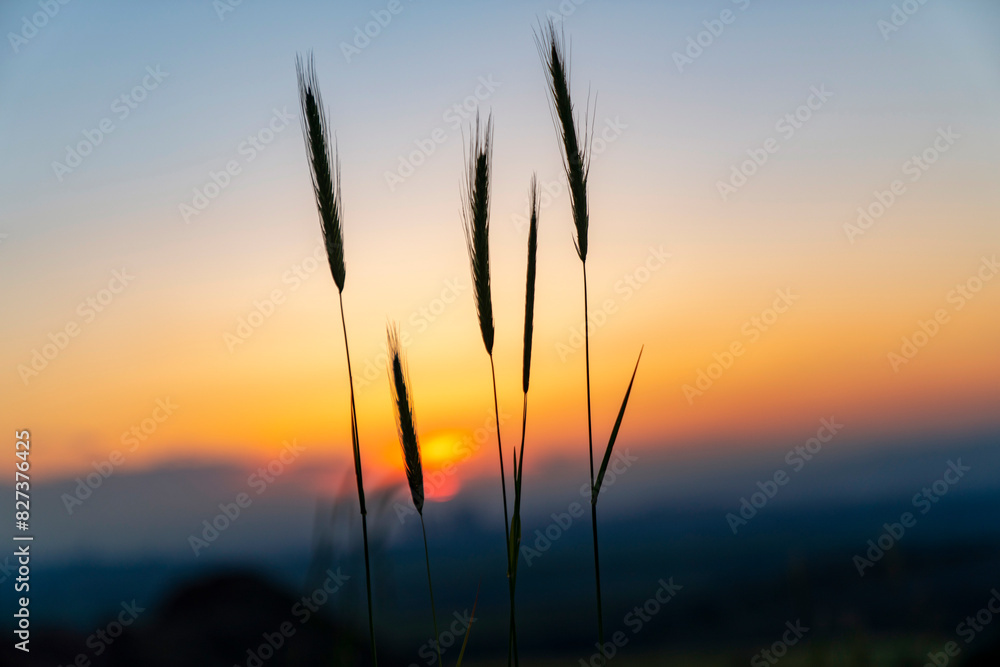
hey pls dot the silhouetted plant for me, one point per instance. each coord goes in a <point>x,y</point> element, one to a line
<point>575,144</point>
<point>325,169</point>
<point>476,219</point>
<point>406,428</point>
<point>529,317</point>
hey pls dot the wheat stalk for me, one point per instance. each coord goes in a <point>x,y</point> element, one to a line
<point>529,316</point>
<point>399,381</point>
<point>476,219</point>
<point>325,170</point>
<point>576,162</point>
<point>576,142</point>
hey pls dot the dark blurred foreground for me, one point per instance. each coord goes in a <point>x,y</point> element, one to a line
<point>736,597</point>
<point>822,574</point>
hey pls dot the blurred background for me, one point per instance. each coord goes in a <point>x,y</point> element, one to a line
<point>793,207</point>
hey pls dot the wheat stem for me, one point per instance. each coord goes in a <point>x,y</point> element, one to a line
<point>503,478</point>
<point>590,443</point>
<point>355,441</point>
<point>515,553</point>
<point>430,585</point>
<point>368,585</point>
<point>586,344</point>
<point>597,570</point>
<point>529,319</point>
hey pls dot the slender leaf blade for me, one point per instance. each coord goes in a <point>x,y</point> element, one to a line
<point>468,630</point>
<point>614,434</point>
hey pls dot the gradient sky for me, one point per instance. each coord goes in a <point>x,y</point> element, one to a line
<point>654,185</point>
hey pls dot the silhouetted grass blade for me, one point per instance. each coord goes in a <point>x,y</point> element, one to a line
<point>468,630</point>
<point>614,433</point>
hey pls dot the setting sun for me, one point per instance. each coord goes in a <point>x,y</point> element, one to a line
<point>442,452</point>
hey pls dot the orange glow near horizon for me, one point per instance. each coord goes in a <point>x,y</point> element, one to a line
<point>813,362</point>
